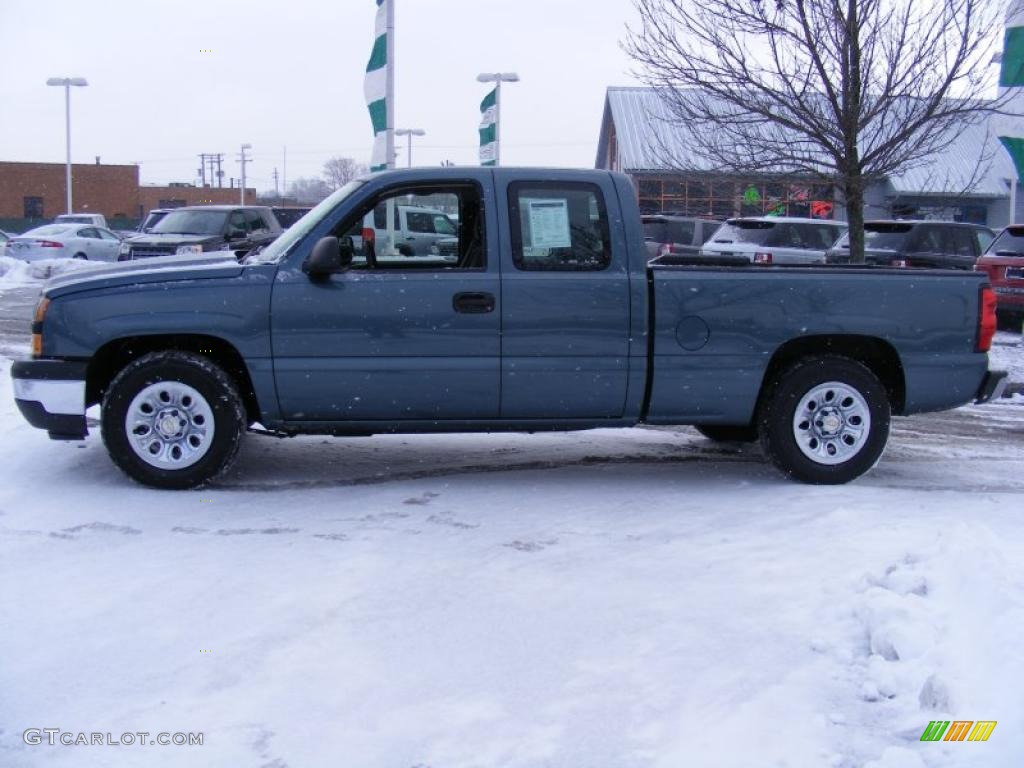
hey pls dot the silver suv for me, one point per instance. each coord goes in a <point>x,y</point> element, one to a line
<point>775,239</point>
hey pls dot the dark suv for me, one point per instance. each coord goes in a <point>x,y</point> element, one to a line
<point>197,228</point>
<point>669,235</point>
<point>935,244</point>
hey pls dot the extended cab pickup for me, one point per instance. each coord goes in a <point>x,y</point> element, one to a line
<point>548,317</point>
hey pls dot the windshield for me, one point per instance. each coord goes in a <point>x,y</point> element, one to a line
<point>739,231</point>
<point>1009,243</point>
<point>75,219</point>
<point>191,223</point>
<point>277,250</point>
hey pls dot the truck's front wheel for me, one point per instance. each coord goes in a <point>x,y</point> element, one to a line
<point>172,420</point>
<point>825,420</point>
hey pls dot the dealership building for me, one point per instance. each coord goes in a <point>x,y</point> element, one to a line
<point>969,181</point>
<point>32,193</point>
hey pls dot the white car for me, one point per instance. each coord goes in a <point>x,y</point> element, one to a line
<point>65,241</point>
<point>775,239</point>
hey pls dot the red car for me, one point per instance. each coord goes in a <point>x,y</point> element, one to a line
<point>1004,263</point>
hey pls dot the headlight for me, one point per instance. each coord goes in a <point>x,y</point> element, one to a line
<point>188,250</point>
<point>124,250</point>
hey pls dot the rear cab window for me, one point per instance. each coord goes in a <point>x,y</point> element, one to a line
<point>740,231</point>
<point>559,226</point>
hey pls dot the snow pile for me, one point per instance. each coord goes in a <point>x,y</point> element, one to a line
<point>15,272</point>
<point>940,632</point>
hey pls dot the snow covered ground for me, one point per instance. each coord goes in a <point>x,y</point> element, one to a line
<point>609,598</point>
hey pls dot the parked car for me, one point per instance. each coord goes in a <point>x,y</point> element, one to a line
<point>550,317</point>
<point>4,237</point>
<point>152,219</point>
<point>934,244</point>
<point>194,229</point>
<point>417,230</point>
<point>667,234</point>
<point>65,241</point>
<point>1003,262</point>
<point>287,215</point>
<point>96,219</point>
<point>775,239</point>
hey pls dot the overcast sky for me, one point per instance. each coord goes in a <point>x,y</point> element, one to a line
<point>291,74</point>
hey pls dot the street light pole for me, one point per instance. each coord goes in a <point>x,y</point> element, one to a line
<point>410,132</point>
<point>497,78</point>
<point>244,159</point>
<point>67,82</point>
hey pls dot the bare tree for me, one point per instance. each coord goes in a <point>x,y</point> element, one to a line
<point>339,171</point>
<point>847,91</point>
<point>309,190</point>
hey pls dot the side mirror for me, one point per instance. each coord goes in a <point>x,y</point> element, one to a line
<point>328,256</point>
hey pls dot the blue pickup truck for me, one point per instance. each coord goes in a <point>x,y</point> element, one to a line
<point>543,313</point>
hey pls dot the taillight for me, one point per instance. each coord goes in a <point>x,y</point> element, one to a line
<point>762,258</point>
<point>664,249</point>
<point>986,318</point>
<point>901,263</point>
<point>369,234</point>
<point>49,244</point>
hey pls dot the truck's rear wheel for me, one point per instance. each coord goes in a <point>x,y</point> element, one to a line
<point>725,433</point>
<point>825,420</point>
<point>172,420</point>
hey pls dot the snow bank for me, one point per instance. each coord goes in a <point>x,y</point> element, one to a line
<point>14,272</point>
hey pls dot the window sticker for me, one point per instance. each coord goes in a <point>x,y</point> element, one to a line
<point>549,223</point>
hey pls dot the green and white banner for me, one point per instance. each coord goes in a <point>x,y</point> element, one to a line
<point>375,88</point>
<point>489,128</point>
<point>1010,127</point>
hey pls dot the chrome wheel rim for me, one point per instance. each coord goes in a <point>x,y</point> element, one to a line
<point>169,425</point>
<point>832,423</point>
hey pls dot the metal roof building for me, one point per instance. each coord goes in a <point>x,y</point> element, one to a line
<point>970,181</point>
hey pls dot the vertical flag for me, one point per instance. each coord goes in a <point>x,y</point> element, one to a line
<point>375,88</point>
<point>1010,127</point>
<point>489,128</point>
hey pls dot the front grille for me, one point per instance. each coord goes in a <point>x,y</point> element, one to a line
<point>448,249</point>
<point>150,251</point>
<point>1015,273</point>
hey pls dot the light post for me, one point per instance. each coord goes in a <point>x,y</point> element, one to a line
<point>497,78</point>
<point>410,132</point>
<point>67,82</point>
<point>243,158</point>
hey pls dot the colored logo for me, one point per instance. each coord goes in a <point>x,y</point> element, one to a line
<point>958,730</point>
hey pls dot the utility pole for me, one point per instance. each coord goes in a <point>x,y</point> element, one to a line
<point>212,160</point>
<point>220,173</point>
<point>202,169</point>
<point>243,159</point>
<point>277,193</point>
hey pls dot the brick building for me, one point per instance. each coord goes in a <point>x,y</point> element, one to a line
<point>36,192</point>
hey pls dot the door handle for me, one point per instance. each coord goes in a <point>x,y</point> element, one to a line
<point>473,303</point>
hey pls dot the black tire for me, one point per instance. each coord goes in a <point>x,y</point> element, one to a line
<point>866,424</point>
<point>81,256</point>
<point>222,414</point>
<point>726,433</point>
